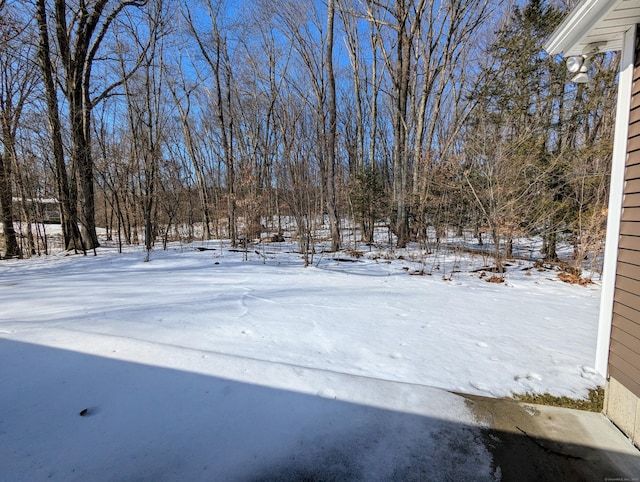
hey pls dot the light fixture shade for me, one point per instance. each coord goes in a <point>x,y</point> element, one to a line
<point>574,63</point>
<point>581,78</point>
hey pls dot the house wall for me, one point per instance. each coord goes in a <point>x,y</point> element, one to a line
<point>622,403</point>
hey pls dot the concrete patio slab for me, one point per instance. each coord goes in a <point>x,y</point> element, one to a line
<point>535,442</point>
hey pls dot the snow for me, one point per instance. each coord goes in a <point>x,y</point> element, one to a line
<point>202,366</point>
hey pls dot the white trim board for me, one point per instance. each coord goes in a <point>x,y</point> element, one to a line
<point>625,84</point>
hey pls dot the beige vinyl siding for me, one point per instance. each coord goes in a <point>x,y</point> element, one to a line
<point>624,353</point>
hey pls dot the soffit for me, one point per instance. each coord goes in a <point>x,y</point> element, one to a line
<point>594,22</point>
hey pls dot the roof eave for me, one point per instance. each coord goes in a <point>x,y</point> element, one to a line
<point>578,23</point>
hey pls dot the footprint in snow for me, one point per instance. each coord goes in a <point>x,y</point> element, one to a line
<point>528,377</point>
<point>480,387</point>
<point>482,344</point>
<point>588,372</point>
<point>395,356</point>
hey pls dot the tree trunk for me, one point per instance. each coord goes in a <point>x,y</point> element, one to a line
<point>11,248</point>
<point>549,248</point>
<point>334,225</point>
<point>401,224</point>
<point>80,119</point>
<point>402,71</point>
<point>67,193</point>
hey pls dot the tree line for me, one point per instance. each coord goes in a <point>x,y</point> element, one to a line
<point>216,117</point>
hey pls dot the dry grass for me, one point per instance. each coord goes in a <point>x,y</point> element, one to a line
<point>354,252</point>
<point>495,279</point>
<point>595,402</point>
<point>574,279</point>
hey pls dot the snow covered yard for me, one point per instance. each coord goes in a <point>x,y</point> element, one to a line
<point>201,353</point>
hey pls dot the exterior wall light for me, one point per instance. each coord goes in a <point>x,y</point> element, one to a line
<point>579,65</point>
<point>574,63</point>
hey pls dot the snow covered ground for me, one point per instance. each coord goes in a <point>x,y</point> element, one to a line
<point>201,366</point>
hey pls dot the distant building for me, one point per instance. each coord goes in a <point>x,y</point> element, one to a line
<point>46,210</point>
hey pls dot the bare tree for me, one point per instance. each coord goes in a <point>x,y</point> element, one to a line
<point>214,49</point>
<point>404,18</point>
<point>422,54</point>
<point>79,32</point>
<point>17,83</point>
<point>67,191</point>
<point>183,95</point>
<point>303,28</point>
<point>146,111</point>
<point>298,173</point>
<point>330,134</point>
